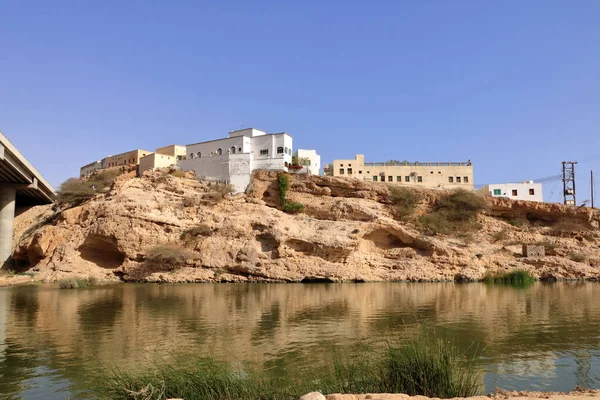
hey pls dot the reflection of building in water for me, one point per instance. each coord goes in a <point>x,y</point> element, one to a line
<point>3,321</point>
<point>287,324</point>
<point>540,365</point>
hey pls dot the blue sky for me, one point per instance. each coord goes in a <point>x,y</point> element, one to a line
<point>512,85</point>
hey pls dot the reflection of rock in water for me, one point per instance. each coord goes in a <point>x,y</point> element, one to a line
<point>283,324</point>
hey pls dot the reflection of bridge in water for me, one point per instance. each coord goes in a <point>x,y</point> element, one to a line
<point>20,183</point>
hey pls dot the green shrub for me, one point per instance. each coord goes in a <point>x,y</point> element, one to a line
<point>516,223</point>
<point>405,199</point>
<point>283,182</point>
<point>168,256</point>
<point>292,207</point>
<point>454,211</point>
<point>77,283</point>
<point>517,278</point>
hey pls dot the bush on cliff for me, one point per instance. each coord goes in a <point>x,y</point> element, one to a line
<point>454,211</point>
<point>283,182</point>
<point>168,257</point>
<point>405,200</point>
<point>76,190</point>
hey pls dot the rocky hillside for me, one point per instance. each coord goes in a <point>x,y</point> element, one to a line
<point>163,228</point>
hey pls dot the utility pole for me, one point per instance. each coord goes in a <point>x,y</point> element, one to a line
<point>592,186</point>
<point>568,178</point>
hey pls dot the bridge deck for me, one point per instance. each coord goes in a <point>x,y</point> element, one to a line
<point>16,170</point>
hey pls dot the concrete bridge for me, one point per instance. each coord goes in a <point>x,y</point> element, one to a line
<point>20,184</point>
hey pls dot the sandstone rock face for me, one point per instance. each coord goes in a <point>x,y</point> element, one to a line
<point>348,233</point>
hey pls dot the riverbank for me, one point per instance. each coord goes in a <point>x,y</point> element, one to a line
<point>580,394</point>
<point>167,227</point>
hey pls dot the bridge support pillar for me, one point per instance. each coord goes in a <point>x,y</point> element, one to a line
<point>7,218</point>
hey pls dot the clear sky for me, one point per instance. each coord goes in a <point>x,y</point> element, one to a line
<point>512,85</point>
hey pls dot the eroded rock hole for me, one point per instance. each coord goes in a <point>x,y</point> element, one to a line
<point>102,251</point>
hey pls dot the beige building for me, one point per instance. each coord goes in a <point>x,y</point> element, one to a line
<point>175,150</point>
<point>155,160</point>
<point>447,175</point>
<point>128,158</point>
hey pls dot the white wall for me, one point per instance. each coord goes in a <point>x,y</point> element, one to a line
<point>237,167</point>
<point>206,148</point>
<point>240,169</point>
<point>215,167</point>
<point>315,161</point>
<point>522,191</point>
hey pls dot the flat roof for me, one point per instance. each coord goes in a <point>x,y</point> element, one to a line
<point>227,138</point>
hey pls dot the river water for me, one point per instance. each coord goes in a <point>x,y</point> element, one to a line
<point>545,337</point>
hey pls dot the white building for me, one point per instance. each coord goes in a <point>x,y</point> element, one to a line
<point>309,160</point>
<point>90,168</point>
<point>516,191</point>
<point>233,159</point>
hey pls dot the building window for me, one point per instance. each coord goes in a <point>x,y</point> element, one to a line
<point>349,171</point>
<point>450,179</point>
<point>419,179</point>
<point>532,192</point>
<point>341,165</point>
<point>368,172</point>
<point>192,155</point>
<point>240,149</point>
<point>220,151</point>
<point>497,192</point>
<point>390,178</point>
<point>431,172</point>
<point>280,150</point>
<point>466,179</point>
<point>232,149</point>
<point>382,178</point>
<point>407,179</point>
<point>359,172</point>
<point>374,178</point>
<point>514,192</point>
<point>199,155</point>
<point>264,152</point>
<point>458,179</point>
<point>341,171</point>
<point>398,179</point>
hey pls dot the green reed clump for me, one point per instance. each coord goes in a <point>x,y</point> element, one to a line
<point>435,369</point>
<point>517,278</point>
<point>77,283</point>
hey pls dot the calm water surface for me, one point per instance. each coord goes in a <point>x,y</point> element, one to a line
<point>546,337</point>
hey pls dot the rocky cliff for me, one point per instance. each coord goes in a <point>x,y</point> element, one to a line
<point>348,232</point>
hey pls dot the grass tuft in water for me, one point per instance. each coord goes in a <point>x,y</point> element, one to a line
<point>77,283</point>
<point>435,369</point>
<point>515,278</point>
